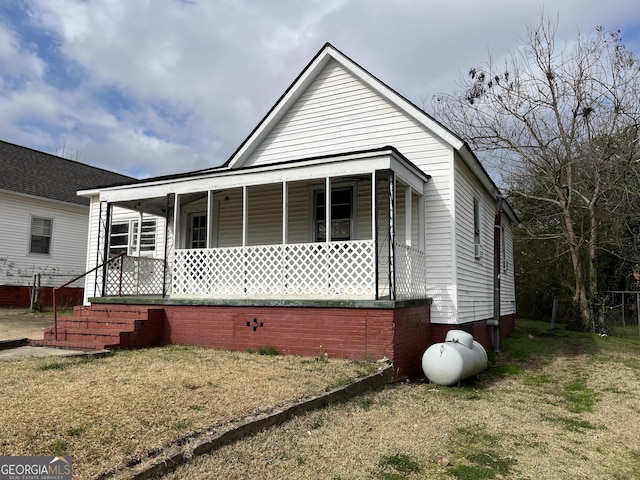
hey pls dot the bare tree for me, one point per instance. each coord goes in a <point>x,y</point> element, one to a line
<point>62,149</point>
<point>561,127</point>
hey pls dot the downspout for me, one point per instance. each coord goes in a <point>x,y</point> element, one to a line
<point>495,321</point>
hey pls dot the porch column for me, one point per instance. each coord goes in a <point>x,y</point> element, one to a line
<point>374,230</point>
<point>421,220</point>
<point>107,239</point>
<point>166,245</point>
<point>209,219</point>
<point>285,213</point>
<point>245,212</point>
<point>392,234</point>
<point>327,209</point>
<point>177,232</point>
<point>408,217</point>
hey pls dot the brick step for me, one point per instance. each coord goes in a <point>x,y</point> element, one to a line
<point>97,335</point>
<point>71,345</point>
<point>92,312</point>
<point>92,322</point>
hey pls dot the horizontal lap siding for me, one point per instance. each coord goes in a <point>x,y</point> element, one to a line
<point>338,113</point>
<point>507,280</point>
<point>475,276</point>
<point>68,241</point>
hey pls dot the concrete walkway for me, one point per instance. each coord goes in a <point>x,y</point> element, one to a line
<point>18,326</point>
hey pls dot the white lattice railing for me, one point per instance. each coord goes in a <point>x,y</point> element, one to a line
<point>312,270</point>
<point>134,276</point>
<point>410,272</point>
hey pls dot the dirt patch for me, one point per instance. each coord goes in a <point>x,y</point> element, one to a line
<point>21,323</point>
<point>106,411</point>
<point>561,417</point>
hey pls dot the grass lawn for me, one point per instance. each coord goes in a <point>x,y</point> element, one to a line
<point>553,405</point>
<point>105,411</point>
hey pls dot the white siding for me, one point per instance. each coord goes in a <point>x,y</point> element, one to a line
<point>68,241</point>
<point>507,276</point>
<point>338,113</point>
<point>475,276</point>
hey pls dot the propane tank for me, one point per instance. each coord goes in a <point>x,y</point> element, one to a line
<point>455,359</point>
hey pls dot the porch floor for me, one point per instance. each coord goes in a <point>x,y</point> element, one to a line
<point>256,302</point>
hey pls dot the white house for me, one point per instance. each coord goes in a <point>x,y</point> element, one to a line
<point>412,250</point>
<point>43,222</point>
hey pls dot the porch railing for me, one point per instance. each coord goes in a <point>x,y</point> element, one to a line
<point>134,276</point>
<point>333,269</point>
<point>411,272</point>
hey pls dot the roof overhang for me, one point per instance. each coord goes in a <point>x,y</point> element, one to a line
<point>341,165</point>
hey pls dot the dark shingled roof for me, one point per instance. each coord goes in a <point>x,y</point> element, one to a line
<point>30,172</point>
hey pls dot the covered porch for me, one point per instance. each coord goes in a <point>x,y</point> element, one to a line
<point>261,232</point>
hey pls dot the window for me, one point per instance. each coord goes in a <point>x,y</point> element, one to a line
<point>40,235</point>
<point>147,238</point>
<point>124,238</point>
<point>476,228</point>
<point>341,212</point>
<point>119,239</point>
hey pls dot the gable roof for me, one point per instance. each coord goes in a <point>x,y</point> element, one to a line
<point>314,68</point>
<point>327,53</point>
<point>30,172</point>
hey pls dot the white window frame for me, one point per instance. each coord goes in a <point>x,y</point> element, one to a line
<point>316,221</point>
<point>131,246</point>
<point>49,236</point>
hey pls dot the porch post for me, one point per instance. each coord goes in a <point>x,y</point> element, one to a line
<point>245,212</point>
<point>392,234</point>
<point>138,244</point>
<point>107,239</point>
<point>421,220</point>
<point>374,229</point>
<point>177,237</point>
<point>285,212</point>
<point>166,249</point>
<point>327,209</point>
<point>408,217</point>
<point>209,219</point>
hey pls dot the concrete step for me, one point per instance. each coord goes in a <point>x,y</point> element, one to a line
<point>69,344</point>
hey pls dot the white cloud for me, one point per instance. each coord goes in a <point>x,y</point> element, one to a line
<point>161,86</point>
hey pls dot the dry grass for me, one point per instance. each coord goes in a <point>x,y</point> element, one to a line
<point>570,413</point>
<point>105,411</point>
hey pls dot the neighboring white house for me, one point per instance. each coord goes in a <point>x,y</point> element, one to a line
<point>43,222</point>
<point>413,212</point>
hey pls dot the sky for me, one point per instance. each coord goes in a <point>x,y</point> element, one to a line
<point>154,87</point>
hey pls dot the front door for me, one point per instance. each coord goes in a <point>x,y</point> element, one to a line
<point>197,231</point>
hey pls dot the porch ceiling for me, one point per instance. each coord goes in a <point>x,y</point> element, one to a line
<point>357,163</point>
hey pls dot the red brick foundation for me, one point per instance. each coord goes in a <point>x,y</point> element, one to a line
<point>20,296</point>
<point>482,333</point>
<point>368,334</point>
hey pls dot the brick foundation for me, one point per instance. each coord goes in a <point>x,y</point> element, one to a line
<point>482,333</point>
<point>368,334</point>
<point>20,296</point>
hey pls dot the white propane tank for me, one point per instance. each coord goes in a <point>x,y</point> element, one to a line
<point>455,359</point>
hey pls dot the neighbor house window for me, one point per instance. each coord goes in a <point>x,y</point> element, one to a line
<point>40,235</point>
<point>341,214</point>
<point>477,245</point>
<point>124,237</point>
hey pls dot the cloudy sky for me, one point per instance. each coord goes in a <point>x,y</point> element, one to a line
<point>151,87</point>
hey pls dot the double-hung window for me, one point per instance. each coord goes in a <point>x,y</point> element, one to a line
<point>341,214</point>
<point>40,241</point>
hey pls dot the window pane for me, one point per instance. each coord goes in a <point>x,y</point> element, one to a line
<point>40,235</point>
